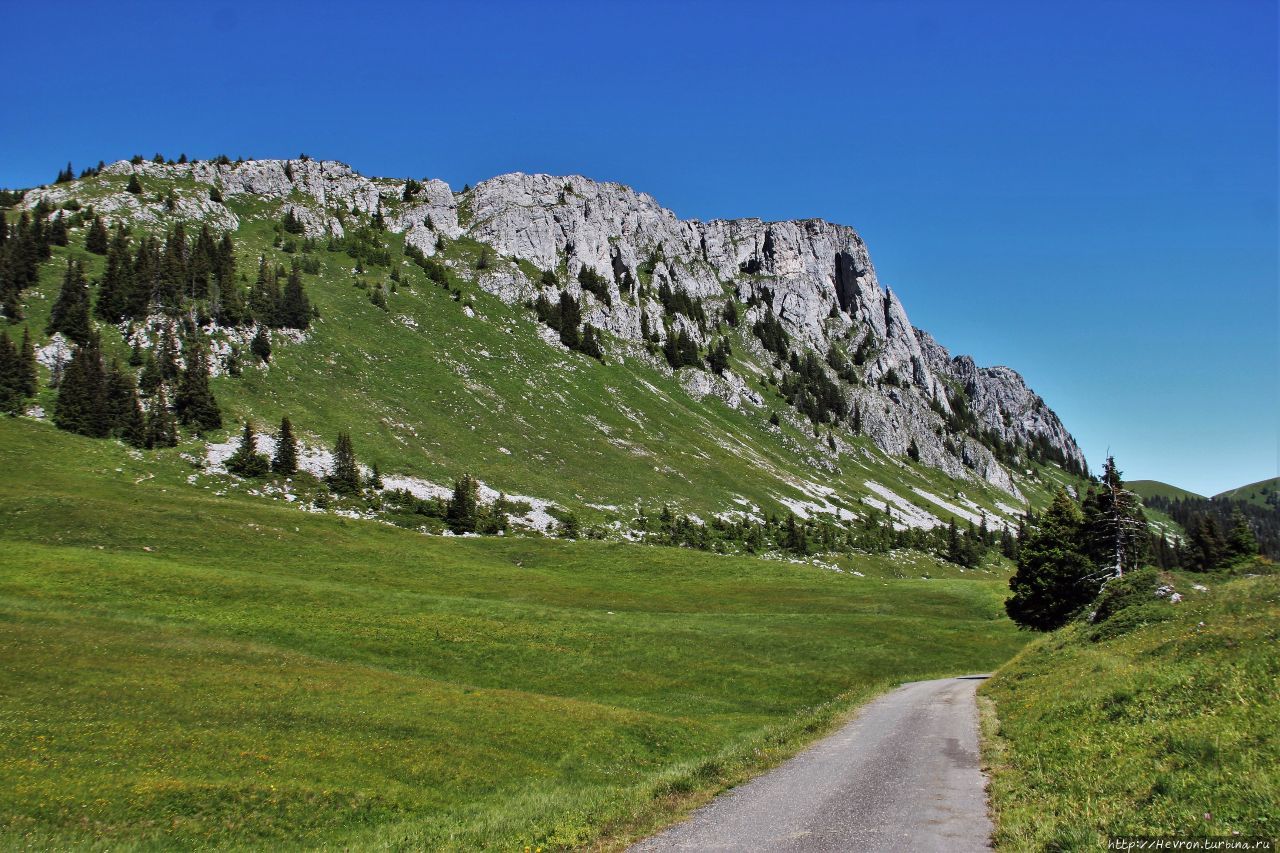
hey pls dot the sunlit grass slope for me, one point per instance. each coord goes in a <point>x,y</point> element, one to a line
<point>181,669</point>
<point>1159,721</point>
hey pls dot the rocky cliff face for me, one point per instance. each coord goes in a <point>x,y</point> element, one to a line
<point>815,277</point>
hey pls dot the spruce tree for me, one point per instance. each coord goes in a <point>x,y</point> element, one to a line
<point>123,410</point>
<point>116,287</point>
<point>1241,541</point>
<point>295,308</point>
<point>570,320</point>
<point>10,376</point>
<point>591,342</point>
<point>1115,528</point>
<point>345,479</point>
<point>194,402</point>
<point>150,378</point>
<point>463,506</point>
<point>134,186</point>
<point>70,312</point>
<point>167,357</point>
<point>162,429</point>
<point>285,461</point>
<point>27,365</point>
<point>1054,577</point>
<point>260,346</point>
<point>96,239</point>
<point>247,461</point>
<point>82,405</point>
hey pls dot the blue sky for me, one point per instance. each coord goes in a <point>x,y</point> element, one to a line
<point>1084,191</point>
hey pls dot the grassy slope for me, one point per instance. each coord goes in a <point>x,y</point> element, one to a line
<point>1163,725</point>
<point>1157,489</point>
<point>182,668</point>
<point>429,391</point>
<point>1254,492</point>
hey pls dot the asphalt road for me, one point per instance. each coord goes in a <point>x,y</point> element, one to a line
<point>902,775</point>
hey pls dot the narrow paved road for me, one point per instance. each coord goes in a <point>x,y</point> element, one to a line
<point>902,775</point>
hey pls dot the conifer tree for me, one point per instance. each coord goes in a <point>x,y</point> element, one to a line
<point>162,429</point>
<point>247,461</point>
<point>70,312</point>
<point>1241,541</point>
<point>260,346</point>
<point>1115,528</point>
<point>194,402</point>
<point>570,319</point>
<point>264,299</point>
<point>285,461</point>
<point>167,358</point>
<point>591,342</point>
<point>58,231</point>
<point>116,287</point>
<point>96,239</point>
<point>345,479</point>
<point>123,409</point>
<point>27,364</point>
<point>1054,577</point>
<point>295,308</point>
<point>81,406</point>
<point>137,357</point>
<point>134,186</point>
<point>10,376</point>
<point>463,506</point>
<point>149,378</point>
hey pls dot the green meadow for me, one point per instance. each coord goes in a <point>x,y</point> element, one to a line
<point>1160,720</point>
<point>187,669</point>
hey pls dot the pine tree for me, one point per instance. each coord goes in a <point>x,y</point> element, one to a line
<point>247,461</point>
<point>1241,541</point>
<point>96,239</point>
<point>149,378</point>
<point>167,359</point>
<point>70,312</point>
<point>10,376</point>
<point>264,297</point>
<point>27,365</point>
<point>591,342</point>
<point>116,287</point>
<point>137,357</point>
<point>295,308</point>
<point>81,406</point>
<point>461,514</point>
<point>1115,528</point>
<point>124,412</point>
<point>1054,577</point>
<point>134,186</point>
<point>260,346</point>
<point>285,461</point>
<point>375,477</point>
<point>194,402</point>
<point>570,319</point>
<point>162,429</point>
<point>345,479</point>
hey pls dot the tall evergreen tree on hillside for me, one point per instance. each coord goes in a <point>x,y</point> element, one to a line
<point>1241,541</point>
<point>264,296</point>
<point>260,346</point>
<point>82,406</point>
<point>570,320</point>
<point>295,308</point>
<point>345,479</point>
<point>194,402</point>
<point>70,312</point>
<point>285,461</point>
<point>124,410</point>
<point>1054,577</point>
<point>247,461</point>
<point>162,429</point>
<point>27,364</point>
<point>116,288</point>
<point>11,395</point>
<point>464,505</point>
<point>96,239</point>
<point>1115,528</point>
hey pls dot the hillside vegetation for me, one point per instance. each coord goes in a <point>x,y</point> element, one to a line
<point>189,668</point>
<point>1156,719</point>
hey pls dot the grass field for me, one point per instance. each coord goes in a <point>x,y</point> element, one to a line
<point>1157,489</point>
<point>1161,720</point>
<point>184,669</point>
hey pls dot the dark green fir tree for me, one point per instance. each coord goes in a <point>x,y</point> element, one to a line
<point>285,461</point>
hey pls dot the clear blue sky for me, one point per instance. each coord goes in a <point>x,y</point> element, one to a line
<point>1084,191</point>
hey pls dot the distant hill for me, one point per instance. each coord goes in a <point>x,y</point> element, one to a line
<point>1262,493</point>
<point>1157,489</point>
